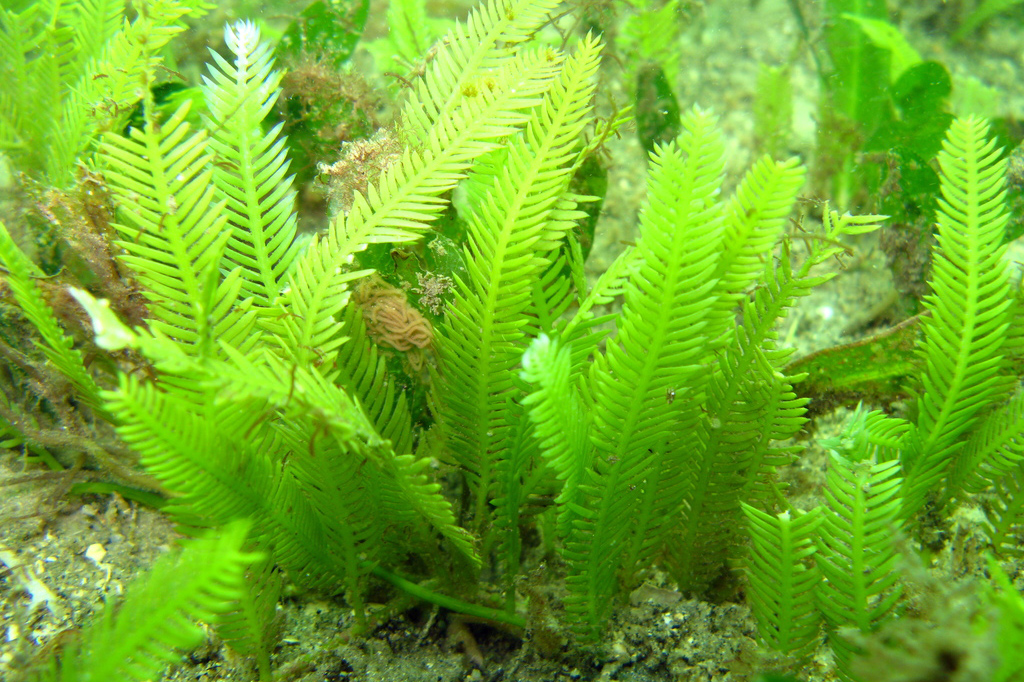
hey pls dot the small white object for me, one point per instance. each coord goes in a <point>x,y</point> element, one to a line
<point>96,553</point>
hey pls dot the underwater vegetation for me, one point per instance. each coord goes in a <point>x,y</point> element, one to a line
<point>311,425</point>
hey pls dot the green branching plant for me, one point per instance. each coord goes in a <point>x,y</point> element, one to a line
<point>250,173</point>
<point>889,477</point>
<point>645,434</point>
<point>854,585</point>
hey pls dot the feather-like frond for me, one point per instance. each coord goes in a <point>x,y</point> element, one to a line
<point>605,514</point>
<point>102,97</point>
<point>424,496</point>
<point>363,374</point>
<point>582,330</point>
<point>173,232</point>
<point>751,408</point>
<point>749,404</point>
<point>996,448</point>
<point>1005,516</point>
<point>970,307</point>
<point>659,341</point>
<point>97,21</point>
<point>466,60</point>
<point>647,375</point>
<point>648,389</point>
<point>328,472</point>
<point>307,323</point>
<point>783,578</point>
<point>304,396</point>
<point>263,379</point>
<point>221,480</point>
<point>404,201</point>
<point>250,166</point>
<point>754,217</point>
<point>870,434</point>
<point>551,296</point>
<point>560,419</point>
<point>72,70</point>
<point>511,240</point>
<point>406,198</point>
<point>411,32</point>
<point>34,51</point>
<point>856,550</point>
<point>248,625</point>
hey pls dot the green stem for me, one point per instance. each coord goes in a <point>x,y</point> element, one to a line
<point>447,602</point>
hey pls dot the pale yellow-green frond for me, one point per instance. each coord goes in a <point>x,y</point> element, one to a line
<point>173,232</point>
<point>467,60</point>
<point>252,165</point>
<point>511,237</point>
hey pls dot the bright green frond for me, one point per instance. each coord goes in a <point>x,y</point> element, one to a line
<point>329,474</point>
<point>31,85</point>
<point>856,550</point>
<point>97,22</point>
<point>582,329</point>
<point>363,374</point>
<point>103,95</point>
<point>406,198</point>
<point>306,396</point>
<point>262,379</point>
<point>560,419</point>
<point>250,166</point>
<point>307,315</point>
<point>71,70</point>
<point>248,626</point>
<point>754,218</point>
<point>751,409</point>
<point>970,306</point>
<point>516,471</point>
<point>782,578</point>
<point>511,239</point>
<point>660,341</point>
<point>735,446</point>
<point>220,480</point>
<point>465,62</point>
<point>1004,521</point>
<point>424,496</point>
<point>173,232</point>
<point>411,32</point>
<point>870,435</point>
<point>647,387</point>
<point>995,449</point>
<point>605,516</point>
